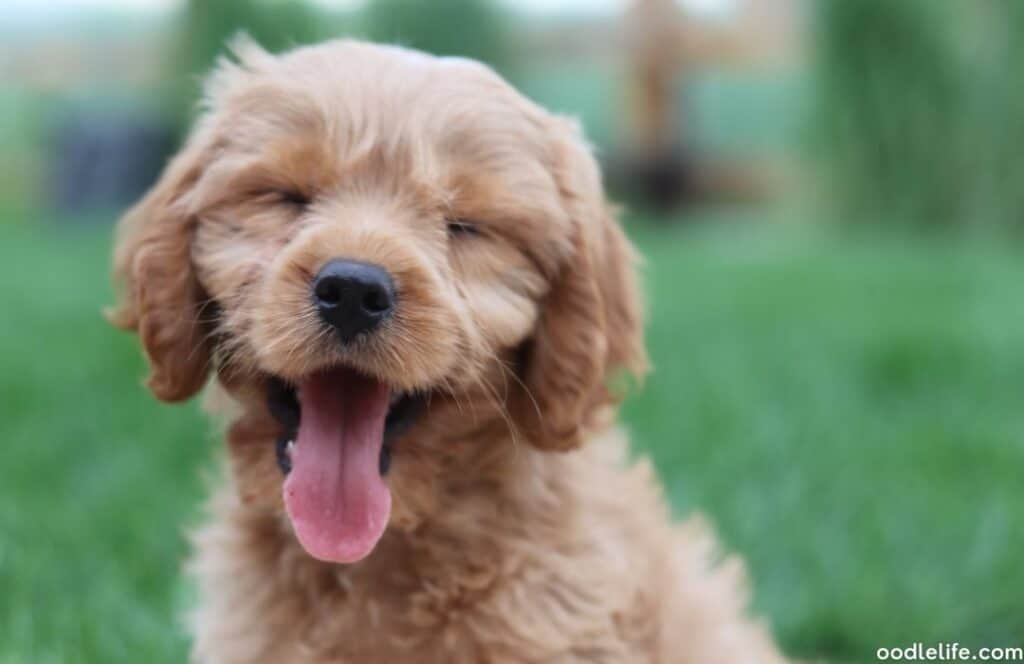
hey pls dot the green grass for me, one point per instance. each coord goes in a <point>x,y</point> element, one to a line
<point>96,479</point>
<point>848,413</point>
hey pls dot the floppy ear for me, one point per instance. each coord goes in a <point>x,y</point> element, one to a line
<point>160,297</point>
<point>591,324</point>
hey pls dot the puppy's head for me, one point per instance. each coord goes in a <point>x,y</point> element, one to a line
<point>363,242</point>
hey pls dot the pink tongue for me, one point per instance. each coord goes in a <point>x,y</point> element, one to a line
<point>334,494</point>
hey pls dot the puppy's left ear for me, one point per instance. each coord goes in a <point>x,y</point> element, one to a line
<point>591,324</point>
<point>160,297</point>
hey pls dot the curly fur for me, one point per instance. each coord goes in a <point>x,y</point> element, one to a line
<point>520,532</point>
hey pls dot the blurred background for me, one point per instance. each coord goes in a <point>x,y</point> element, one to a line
<point>830,197</point>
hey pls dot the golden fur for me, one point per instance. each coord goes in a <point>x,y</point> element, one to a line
<point>510,539</point>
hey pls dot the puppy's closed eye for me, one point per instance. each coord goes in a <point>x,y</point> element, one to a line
<point>296,198</point>
<point>461,228</point>
<point>290,197</point>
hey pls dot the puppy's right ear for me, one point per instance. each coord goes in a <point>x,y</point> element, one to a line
<point>159,295</point>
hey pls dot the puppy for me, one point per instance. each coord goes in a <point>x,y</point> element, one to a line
<point>407,283</point>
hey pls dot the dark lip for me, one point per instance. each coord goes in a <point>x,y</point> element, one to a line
<point>283,404</point>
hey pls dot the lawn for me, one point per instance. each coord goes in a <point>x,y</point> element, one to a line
<point>847,411</point>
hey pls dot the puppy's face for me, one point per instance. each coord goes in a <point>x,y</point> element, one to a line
<point>363,242</point>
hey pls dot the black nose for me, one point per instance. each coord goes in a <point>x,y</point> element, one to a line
<point>353,297</point>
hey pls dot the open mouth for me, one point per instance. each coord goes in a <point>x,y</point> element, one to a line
<point>340,428</point>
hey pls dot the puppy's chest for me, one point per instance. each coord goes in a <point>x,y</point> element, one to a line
<point>404,614</point>
<point>467,613</point>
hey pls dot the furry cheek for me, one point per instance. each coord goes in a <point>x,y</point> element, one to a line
<point>506,316</point>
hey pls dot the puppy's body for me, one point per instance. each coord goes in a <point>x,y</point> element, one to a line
<point>390,257</point>
<point>529,559</point>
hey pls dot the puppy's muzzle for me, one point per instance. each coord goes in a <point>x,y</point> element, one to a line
<point>353,297</point>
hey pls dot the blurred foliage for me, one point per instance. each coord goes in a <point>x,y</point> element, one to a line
<point>997,56</point>
<point>919,107</point>
<point>888,108</point>
<point>469,28</point>
<point>207,26</point>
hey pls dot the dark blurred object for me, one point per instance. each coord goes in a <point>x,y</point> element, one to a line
<point>678,177</point>
<point>469,28</point>
<point>207,26</point>
<point>890,111</point>
<point>104,160</point>
<point>664,177</point>
<point>107,158</point>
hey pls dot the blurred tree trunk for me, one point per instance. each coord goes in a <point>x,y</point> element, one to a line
<point>889,109</point>
<point>660,169</point>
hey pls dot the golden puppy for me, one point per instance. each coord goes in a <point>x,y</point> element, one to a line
<point>407,282</point>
